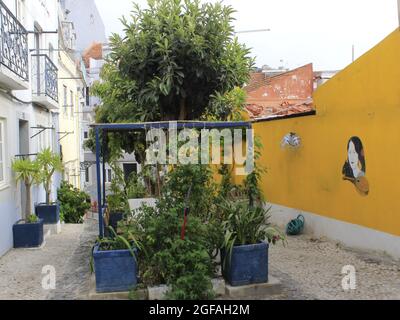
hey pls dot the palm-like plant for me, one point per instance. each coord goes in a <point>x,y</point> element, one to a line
<point>245,225</point>
<point>27,171</point>
<point>49,163</point>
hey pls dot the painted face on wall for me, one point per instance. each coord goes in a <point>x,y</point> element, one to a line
<point>353,159</point>
<point>354,169</point>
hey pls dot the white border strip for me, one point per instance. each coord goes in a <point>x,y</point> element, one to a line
<point>351,235</point>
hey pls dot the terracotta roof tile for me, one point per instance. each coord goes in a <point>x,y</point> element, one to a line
<point>285,94</point>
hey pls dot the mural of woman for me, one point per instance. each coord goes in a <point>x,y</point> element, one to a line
<point>354,169</point>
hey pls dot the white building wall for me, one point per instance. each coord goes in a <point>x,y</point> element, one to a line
<point>44,14</point>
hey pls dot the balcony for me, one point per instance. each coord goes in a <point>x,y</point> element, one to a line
<point>44,81</point>
<point>14,73</point>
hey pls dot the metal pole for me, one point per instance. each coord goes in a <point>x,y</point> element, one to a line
<point>252,31</point>
<point>104,171</point>
<point>99,200</point>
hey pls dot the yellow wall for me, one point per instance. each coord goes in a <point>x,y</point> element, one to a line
<point>70,119</point>
<point>363,100</point>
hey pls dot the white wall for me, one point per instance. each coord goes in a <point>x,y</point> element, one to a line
<point>44,12</point>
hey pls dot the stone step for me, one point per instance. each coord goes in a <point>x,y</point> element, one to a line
<point>222,289</point>
<point>272,287</point>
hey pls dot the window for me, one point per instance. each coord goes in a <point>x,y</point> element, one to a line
<point>108,175</point>
<point>85,135</point>
<point>87,177</point>
<point>72,104</point>
<point>2,152</point>
<point>65,99</point>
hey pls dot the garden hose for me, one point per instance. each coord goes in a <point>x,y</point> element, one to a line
<point>295,226</point>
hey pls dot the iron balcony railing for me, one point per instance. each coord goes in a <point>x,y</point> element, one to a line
<point>44,77</point>
<point>13,43</point>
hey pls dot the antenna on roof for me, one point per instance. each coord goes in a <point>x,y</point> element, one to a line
<point>251,31</point>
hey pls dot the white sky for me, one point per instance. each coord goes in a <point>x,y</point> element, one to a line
<point>302,31</point>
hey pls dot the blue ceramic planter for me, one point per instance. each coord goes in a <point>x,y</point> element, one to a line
<point>28,235</point>
<point>50,213</point>
<point>248,265</point>
<point>115,270</point>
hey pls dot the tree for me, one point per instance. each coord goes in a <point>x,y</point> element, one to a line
<point>176,60</point>
<point>49,163</point>
<point>27,171</point>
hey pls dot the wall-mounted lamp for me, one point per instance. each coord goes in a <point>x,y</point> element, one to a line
<point>291,140</point>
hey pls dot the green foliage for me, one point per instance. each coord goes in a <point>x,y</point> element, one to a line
<point>186,266</point>
<point>28,172</point>
<point>178,60</point>
<point>227,106</point>
<point>202,197</point>
<point>117,200</point>
<point>48,163</point>
<point>135,187</point>
<point>189,270</point>
<point>32,218</point>
<point>252,181</point>
<point>73,203</point>
<point>245,224</point>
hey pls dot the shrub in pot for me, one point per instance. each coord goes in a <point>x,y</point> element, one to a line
<point>117,201</point>
<point>248,233</point>
<point>114,263</point>
<point>73,203</point>
<point>115,211</point>
<point>28,232</point>
<point>49,163</point>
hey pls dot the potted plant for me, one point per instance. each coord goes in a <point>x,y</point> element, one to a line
<point>49,163</point>
<point>117,202</point>
<point>137,194</point>
<point>74,203</point>
<point>248,233</point>
<point>114,263</point>
<point>115,211</point>
<point>27,232</point>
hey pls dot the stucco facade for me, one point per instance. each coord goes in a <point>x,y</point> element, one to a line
<point>26,102</point>
<point>356,114</point>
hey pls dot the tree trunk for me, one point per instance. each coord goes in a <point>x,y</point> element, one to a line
<point>48,192</point>
<point>182,109</point>
<point>28,205</point>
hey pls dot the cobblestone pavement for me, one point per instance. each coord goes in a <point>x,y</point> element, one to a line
<point>68,252</point>
<point>312,269</point>
<point>307,268</point>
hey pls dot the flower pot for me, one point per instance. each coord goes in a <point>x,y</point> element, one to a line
<point>50,213</point>
<point>115,270</point>
<point>28,235</point>
<point>248,264</point>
